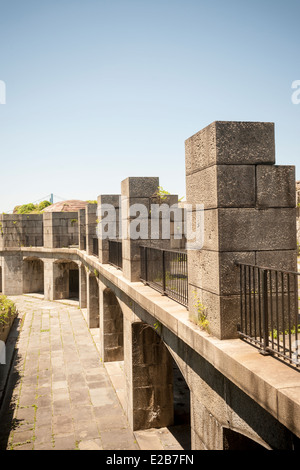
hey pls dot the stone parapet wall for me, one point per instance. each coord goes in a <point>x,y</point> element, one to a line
<point>18,230</point>
<point>60,229</point>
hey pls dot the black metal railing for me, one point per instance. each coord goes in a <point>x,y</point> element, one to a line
<point>115,253</point>
<point>165,271</point>
<point>270,311</point>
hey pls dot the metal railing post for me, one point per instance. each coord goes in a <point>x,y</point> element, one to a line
<point>164,272</point>
<point>146,263</point>
<point>265,313</point>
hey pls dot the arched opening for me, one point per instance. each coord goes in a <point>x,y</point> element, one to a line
<point>73,281</point>
<point>66,280</point>
<point>181,428</point>
<point>33,276</point>
<point>160,396</point>
<point>112,327</point>
<point>233,440</point>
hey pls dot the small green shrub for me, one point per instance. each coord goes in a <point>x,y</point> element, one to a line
<point>201,319</point>
<point>7,310</point>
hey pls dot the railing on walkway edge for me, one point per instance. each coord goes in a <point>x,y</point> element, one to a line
<point>115,253</point>
<point>165,271</point>
<point>270,311</point>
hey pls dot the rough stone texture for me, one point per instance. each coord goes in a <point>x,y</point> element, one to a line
<point>111,326</point>
<point>139,187</point>
<point>216,271</point>
<point>18,230</point>
<point>275,186</point>
<point>93,301</point>
<point>152,381</point>
<point>60,229</point>
<point>227,143</point>
<point>12,273</point>
<point>225,182</point>
<point>82,286</point>
<point>81,229</point>
<point>134,191</point>
<point>33,275</point>
<point>111,218</point>
<point>91,228</point>
<point>257,230</point>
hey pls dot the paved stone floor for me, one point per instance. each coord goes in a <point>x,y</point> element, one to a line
<point>60,395</point>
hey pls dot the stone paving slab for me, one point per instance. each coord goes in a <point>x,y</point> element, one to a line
<point>61,397</point>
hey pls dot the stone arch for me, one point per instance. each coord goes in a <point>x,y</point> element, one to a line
<point>33,275</point>
<point>157,392</point>
<point>111,326</point>
<point>152,381</point>
<point>181,396</point>
<point>66,279</point>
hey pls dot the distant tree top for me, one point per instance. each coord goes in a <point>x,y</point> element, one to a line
<point>32,208</point>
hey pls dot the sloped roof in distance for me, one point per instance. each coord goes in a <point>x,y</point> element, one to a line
<point>72,205</point>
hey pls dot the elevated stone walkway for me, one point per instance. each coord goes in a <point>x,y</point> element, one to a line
<point>59,394</point>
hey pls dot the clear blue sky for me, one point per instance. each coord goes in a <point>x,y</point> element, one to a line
<point>99,90</point>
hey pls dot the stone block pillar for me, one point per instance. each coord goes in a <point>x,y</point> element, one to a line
<point>81,229</point>
<point>61,281</point>
<point>12,273</point>
<point>82,286</point>
<point>92,301</point>
<point>111,326</point>
<point>91,226</point>
<point>249,215</point>
<point>135,191</point>
<point>108,223</point>
<point>149,377</point>
<point>48,279</point>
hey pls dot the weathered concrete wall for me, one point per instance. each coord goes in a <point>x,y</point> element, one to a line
<point>111,326</point>
<point>17,230</point>
<point>60,229</point>
<point>143,191</point>
<point>91,229</point>
<point>92,300</point>
<point>12,273</point>
<point>108,221</point>
<point>33,275</point>
<point>81,229</point>
<point>82,286</point>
